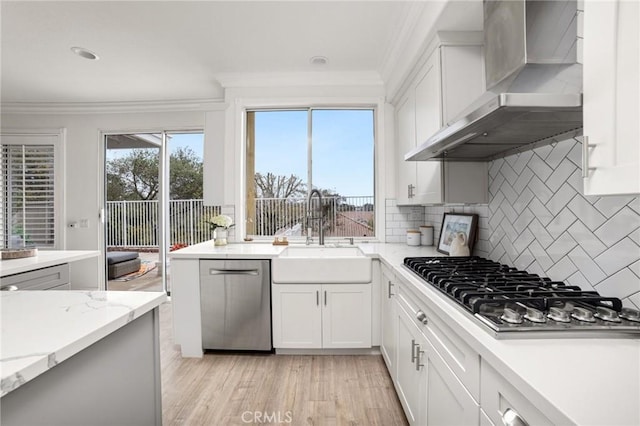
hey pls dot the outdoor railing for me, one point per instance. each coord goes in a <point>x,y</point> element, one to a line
<point>343,216</point>
<point>134,223</point>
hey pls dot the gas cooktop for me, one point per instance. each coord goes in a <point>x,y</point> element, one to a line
<point>511,302</point>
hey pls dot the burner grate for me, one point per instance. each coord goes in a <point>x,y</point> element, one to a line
<point>508,299</point>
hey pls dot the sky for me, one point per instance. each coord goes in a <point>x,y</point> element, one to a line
<point>342,158</point>
<point>342,140</point>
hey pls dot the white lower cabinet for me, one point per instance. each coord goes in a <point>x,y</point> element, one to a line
<point>448,402</point>
<point>411,379</point>
<point>429,391</point>
<point>388,324</point>
<point>484,419</point>
<point>504,404</point>
<point>308,316</point>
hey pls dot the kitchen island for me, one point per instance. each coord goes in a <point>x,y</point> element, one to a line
<point>560,379</point>
<point>44,259</point>
<point>79,357</point>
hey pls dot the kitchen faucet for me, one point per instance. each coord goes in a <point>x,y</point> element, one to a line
<point>318,218</point>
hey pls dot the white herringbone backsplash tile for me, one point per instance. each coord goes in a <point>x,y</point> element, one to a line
<point>539,220</point>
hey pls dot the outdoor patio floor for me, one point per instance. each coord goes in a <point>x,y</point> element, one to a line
<point>150,281</point>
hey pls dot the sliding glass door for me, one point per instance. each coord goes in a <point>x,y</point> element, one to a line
<point>153,204</point>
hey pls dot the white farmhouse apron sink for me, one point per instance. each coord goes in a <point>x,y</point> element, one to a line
<point>321,265</point>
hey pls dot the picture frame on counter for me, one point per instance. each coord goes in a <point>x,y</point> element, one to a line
<point>458,230</point>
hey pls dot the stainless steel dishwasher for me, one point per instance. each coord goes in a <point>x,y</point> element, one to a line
<point>235,301</point>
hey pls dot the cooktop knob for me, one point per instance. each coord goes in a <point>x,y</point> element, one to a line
<point>558,314</point>
<point>535,315</point>
<point>583,314</point>
<point>607,314</point>
<point>630,314</point>
<point>511,316</point>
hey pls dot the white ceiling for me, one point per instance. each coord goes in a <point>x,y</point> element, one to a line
<point>178,50</point>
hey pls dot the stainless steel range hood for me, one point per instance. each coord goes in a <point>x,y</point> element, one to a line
<point>534,85</point>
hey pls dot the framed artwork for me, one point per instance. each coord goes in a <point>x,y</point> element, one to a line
<point>457,229</point>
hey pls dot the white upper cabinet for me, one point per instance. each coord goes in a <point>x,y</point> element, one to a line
<point>451,77</point>
<point>611,51</point>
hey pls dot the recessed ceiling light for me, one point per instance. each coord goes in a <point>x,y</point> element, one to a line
<point>318,60</point>
<point>85,53</point>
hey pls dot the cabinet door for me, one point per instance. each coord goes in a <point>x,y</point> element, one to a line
<point>428,120</point>
<point>297,316</point>
<point>611,102</point>
<point>500,399</point>
<point>406,141</point>
<point>448,402</point>
<point>346,315</point>
<point>388,341</point>
<point>411,379</point>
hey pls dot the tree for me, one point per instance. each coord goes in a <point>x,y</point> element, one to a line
<point>287,193</point>
<point>185,175</point>
<point>272,186</point>
<point>135,176</point>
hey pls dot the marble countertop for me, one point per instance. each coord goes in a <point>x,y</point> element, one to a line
<point>43,328</point>
<point>43,259</point>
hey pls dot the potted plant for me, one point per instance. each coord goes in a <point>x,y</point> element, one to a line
<point>220,225</point>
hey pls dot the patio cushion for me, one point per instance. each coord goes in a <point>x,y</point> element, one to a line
<point>123,268</point>
<point>114,257</point>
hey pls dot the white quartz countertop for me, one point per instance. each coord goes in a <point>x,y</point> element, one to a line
<point>206,250</point>
<point>590,381</point>
<point>43,259</point>
<point>43,328</point>
<point>266,250</point>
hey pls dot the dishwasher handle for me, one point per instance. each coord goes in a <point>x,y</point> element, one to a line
<point>214,271</point>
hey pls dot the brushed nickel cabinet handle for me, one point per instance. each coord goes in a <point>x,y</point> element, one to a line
<point>418,353</point>
<point>414,345</point>
<point>585,156</point>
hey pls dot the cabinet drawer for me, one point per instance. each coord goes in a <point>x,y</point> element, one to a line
<point>40,279</point>
<point>500,399</point>
<point>459,356</point>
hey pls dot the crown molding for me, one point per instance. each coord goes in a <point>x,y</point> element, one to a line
<point>298,79</point>
<point>111,107</point>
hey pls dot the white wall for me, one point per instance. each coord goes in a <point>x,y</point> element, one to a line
<point>84,168</point>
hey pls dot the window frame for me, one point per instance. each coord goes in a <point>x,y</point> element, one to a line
<point>309,109</point>
<point>57,138</point>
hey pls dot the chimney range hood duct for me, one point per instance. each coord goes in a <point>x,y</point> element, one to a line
<point>534,85</point>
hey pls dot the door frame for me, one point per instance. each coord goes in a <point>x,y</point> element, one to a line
<point>163,208</point>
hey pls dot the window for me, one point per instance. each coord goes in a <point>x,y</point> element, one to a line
<point>291,152</point>
<point>29,194</point>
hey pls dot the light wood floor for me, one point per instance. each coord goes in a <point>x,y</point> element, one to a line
<point>232,389</point>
